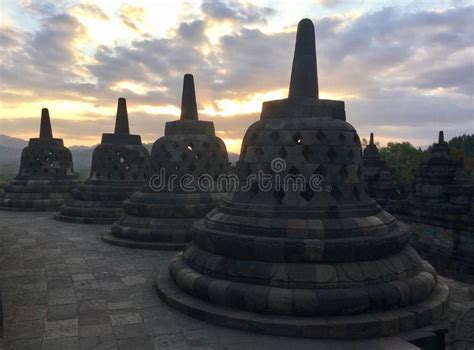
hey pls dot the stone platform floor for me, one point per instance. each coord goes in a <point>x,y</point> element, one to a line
<point>64,288</point>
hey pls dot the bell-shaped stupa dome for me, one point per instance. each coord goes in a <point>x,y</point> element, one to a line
<point>160,215</point>
<point>120,166</point>
<point>46,174</point>
<point>292,255</point>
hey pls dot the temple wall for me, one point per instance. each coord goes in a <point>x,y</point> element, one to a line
<point>449,250</point>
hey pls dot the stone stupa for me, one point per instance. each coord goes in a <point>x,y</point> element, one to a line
<point>442,190</point>
<point>323,262</point>
<point>120,166</point>
<point>440,208</point>
<point>160,218</point>
<point>46,174</point>
<point>378,177</point>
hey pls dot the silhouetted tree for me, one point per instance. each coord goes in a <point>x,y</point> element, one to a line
<point>402,158</point>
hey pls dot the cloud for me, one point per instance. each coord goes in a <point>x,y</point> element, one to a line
<point>91,11</point>
<point>254,61</point>
<point>131,16</point>
<point>405,71</point>
<point>44,8</point>
<point>328,3</point>
<point>193,31</point>
<point>11,38</point>
<point>460,78</point>
<point>46,61</point>
<point>235,11</point>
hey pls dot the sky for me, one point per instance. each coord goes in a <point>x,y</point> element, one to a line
<point>404,68</point>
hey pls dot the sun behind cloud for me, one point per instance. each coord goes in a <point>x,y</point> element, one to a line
<point>397,67</point>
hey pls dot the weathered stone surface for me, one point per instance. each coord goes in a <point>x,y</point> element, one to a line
<point>159,216</point>
<point>120,166</point>
<point>440,209</point>
<point>46,174</point>
<point>442,192</point>
<point>57,242</point>
<point>284,257</point>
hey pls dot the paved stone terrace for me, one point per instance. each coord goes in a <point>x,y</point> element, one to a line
<point>63,288</point>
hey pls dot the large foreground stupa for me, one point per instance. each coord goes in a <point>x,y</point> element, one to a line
<point>120,166</point>
<point>160,215</point>
<point>46,174</point>
<point>320,260</point>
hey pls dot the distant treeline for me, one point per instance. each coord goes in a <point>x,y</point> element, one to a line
<point>403,157</point>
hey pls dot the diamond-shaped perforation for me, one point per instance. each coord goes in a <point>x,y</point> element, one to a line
<point>321,136</point>
<point>279,195</point>
<point>344,173</point>
<point>293,170</point>
<point>298,138</point>
<point>164,153</point>
<point>307,153</point>
<point>282,152</point>
<point>45,160</point>
<point>332,154</point>
<point>336,193</point>
<point>308,194</point>
<point>195,155</point>
<point>321,170</point>
<point>351,154</point>
<point>125,160</point>
<point>342,138</point>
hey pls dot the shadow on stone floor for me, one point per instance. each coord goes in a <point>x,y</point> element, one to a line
<point>64,288</point>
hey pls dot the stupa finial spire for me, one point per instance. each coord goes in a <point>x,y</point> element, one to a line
<point>188,100</point>
<point>304,73</point>
<point>46,132</point>
<point>121,119</point>
<point>441,137</point>
<point>371,142</point>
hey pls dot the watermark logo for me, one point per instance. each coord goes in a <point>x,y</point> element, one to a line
<point>278,179</point>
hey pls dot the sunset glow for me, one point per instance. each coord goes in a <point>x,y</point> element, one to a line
<point>78,57</point>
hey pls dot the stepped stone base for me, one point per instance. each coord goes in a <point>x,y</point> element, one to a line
<point>129,243</point>
<point>36,195</point>
<point>31,205</point>
<point>369,325</point>
<point>94,203</point>
<point>84,220</point>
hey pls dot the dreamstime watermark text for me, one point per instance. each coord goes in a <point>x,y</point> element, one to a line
<point>277,180</point>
